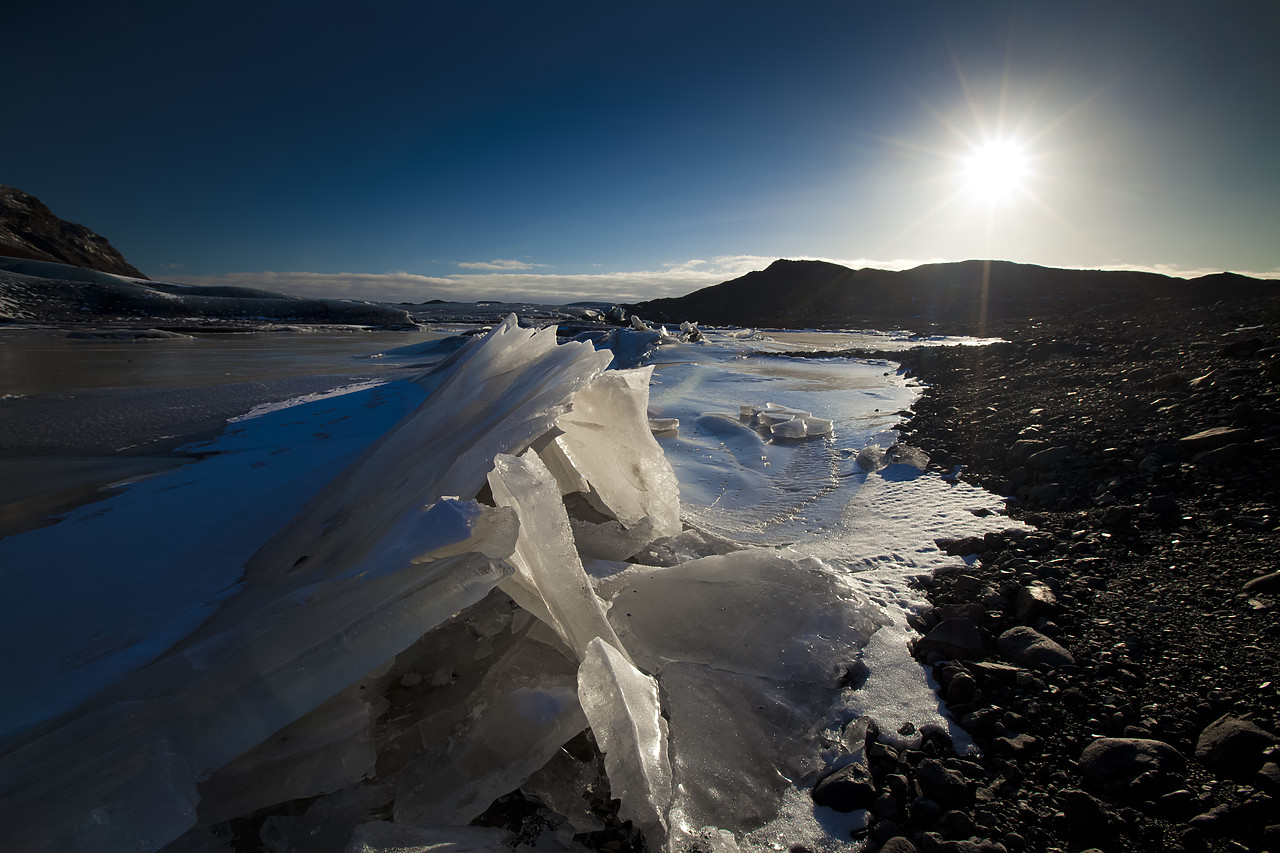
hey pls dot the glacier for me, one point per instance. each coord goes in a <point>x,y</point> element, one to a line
<point>582,574</point>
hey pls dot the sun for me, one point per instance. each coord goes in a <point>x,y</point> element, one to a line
<point>996,170</point>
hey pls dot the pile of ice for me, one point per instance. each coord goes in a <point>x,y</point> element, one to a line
<point>689,331</point>
<point>874,458</point>
<point>503,571</point>
<point>781,422</point>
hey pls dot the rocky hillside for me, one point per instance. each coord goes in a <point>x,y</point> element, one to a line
<point>29,229</point>
<point>964,297</point>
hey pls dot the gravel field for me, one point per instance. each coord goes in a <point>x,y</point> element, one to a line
<point>1118,667</point>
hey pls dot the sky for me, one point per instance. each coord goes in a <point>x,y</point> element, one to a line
<point>559,151</point>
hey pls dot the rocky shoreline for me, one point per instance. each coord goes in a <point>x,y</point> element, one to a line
<point>1118,666</point>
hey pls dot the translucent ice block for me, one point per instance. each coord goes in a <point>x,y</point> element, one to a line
<point>621,704</point>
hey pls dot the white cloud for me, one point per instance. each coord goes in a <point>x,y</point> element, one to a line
<point>676,278</point>
<point>673,279</point>
<point>498,264</point>
<point>372,287</point>
<point>1182,272</point>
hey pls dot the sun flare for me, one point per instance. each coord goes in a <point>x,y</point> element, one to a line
<point>996,170</point>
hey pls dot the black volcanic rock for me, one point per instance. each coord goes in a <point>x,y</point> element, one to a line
<point>964,297</point>
<point>28,229</point>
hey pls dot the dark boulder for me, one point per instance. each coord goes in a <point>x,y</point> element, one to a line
<point>1029,647</point>
<point>899,844</point>
<point>943,785</point>
<point>848,789</point>
<point>1132,766</point>
<point>1234,747</point>
<point>1034,602</point>
<point>952,638</point>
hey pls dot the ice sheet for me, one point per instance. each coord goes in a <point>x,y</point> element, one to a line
<point>744,483</point>
<point>129,576</point>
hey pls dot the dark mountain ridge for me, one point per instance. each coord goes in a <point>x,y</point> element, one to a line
<point>966,297</point>
<point>56,272</point>
<point>30,230</point>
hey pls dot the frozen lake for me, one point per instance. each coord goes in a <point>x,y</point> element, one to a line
<point>236,458</point>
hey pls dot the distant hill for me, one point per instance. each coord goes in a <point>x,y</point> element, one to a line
<point>58,272</point>
<point>963,297</point>
<point>29,229</point>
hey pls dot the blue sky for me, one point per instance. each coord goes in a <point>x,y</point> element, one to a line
<point>566,150</point>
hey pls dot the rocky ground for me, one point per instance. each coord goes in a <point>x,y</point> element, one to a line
<point>1119,666</point>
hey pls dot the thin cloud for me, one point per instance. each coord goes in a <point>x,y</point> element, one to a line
<point>367,287</point>
<point>498,264</point>
<point>1182,272</point>
<point>673,279</point>
<point>676,278</point>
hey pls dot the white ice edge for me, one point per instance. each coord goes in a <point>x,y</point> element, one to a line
<point>267,408</point>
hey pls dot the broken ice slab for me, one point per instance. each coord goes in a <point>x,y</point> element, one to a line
<point>771,413</point>
<point>496,395</point>
<point>689,544</point>
<point>759,612</point>
<point>324,751</point>
<point>515,721</point>
<point>606,439</point>
<point>901,454</point>
<point>197,711</point>
<point>802,427</point>
<point>570,782</point>
<point>749,648</point>
<point>818,426</point>
<point>622,705</point>
<point>782,422</point>
<point>664,424</point>
<point>790,428</point>
<point>325,826</point>
<point>609,540</point>
<point>738,742</point>
<point>549,580</point>
<point>873,458</point>
<point>630,348</point>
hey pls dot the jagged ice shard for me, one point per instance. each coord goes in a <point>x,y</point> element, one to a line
<point>622,705</point>
<point>549,580</point>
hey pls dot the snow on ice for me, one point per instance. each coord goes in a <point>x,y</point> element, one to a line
<point>501,591</point>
